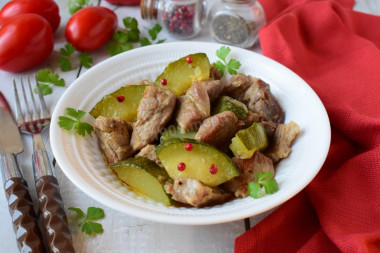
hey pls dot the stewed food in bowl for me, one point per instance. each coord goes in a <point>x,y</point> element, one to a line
<point>194,137</point>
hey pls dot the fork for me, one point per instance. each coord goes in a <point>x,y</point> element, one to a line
<point>34,121</point>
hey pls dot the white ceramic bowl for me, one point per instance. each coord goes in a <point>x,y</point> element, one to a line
<point>81,161</point>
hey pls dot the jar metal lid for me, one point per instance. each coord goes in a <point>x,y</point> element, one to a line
<point>148,10</point>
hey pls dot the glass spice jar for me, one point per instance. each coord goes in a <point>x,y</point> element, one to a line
<point>182,19</point>
<point>236,22</point>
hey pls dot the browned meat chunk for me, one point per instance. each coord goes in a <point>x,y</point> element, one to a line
<point>251,118</point>
<point>149,152</point>
<point>215,73</point>
<point>260,99</point>
<point>237,86</point>
<point>154,111</point>
<point>191,191</point>
<point>256,94</point>
<point>283,138</point>
<point>248,168</point>
<point>270,128</point>
<point>194,107</point>
<point>214,88</point>
<point>113,138</point>
<point>218,129</point>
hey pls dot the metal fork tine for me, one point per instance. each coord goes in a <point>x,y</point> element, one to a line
<point>19,116</point>
<point>36,111</point>
<point>44,109</point>
<point>27,111</point>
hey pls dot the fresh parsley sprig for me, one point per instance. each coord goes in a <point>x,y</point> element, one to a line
<point>46,78</point>
<point>153,34</point>
<point>122,39</point>
<point>87,223</point>
<point>231,66</point>
<point>74,121</point>
<point>76,5</point>
<point>67,57</point>
<point>265,181</point>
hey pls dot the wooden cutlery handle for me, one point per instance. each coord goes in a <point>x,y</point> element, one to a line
<point>24,218</point>
<point>53,215</point>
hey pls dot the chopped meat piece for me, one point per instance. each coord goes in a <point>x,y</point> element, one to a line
<point>251,118</point>
<point>194,107</point>
<point>214,88</point>
<point>215,73</point>
<point>256,94</point>
<point>283,138</point>
<point>260,99</point>
<point>149,152</point>
<point>191,191</point>
<point>248,168</point>
<point>113,138</point>
<point>154,111</point>
<point>218,129</point>
<point>237,86</point>
<point>270,128</point>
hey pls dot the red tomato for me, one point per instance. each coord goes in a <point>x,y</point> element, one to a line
<point>26,40</point>
<point>45,8</point>
<point>90,28</point>
<point>124,2</point>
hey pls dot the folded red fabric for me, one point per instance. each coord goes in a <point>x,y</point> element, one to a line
<point>337,52</point>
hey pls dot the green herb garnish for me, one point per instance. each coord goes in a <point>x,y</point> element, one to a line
<point>67,56</point>
<point>87,223</point>
<point>153,33</point>
<point>86,60</point>
<point>46,78</point>
<point>76,5</point>
<point>122,39</point>
<point>231,66</point>
<point>264,180</point>
<point>75,122</point>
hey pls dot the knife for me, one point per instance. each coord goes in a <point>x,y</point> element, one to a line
<point>28,234</point>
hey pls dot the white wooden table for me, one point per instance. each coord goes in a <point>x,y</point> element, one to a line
<point>123,233</point>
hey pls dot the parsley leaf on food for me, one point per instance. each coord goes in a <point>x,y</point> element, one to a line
<point>75,122</point>
<point>223,52</point>
<point>88,224</point>
<point>266,180</point>
<point>231,66</point>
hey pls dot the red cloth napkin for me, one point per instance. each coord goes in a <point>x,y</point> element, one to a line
<point>337,52</point>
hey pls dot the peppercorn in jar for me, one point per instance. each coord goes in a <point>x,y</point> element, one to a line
<point>180,19</point>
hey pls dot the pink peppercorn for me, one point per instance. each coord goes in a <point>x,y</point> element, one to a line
<point>213,169</point>
<point>120,98</point>
<point>164,81</point>
<point>189,146</point>
<point>181,166</point>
